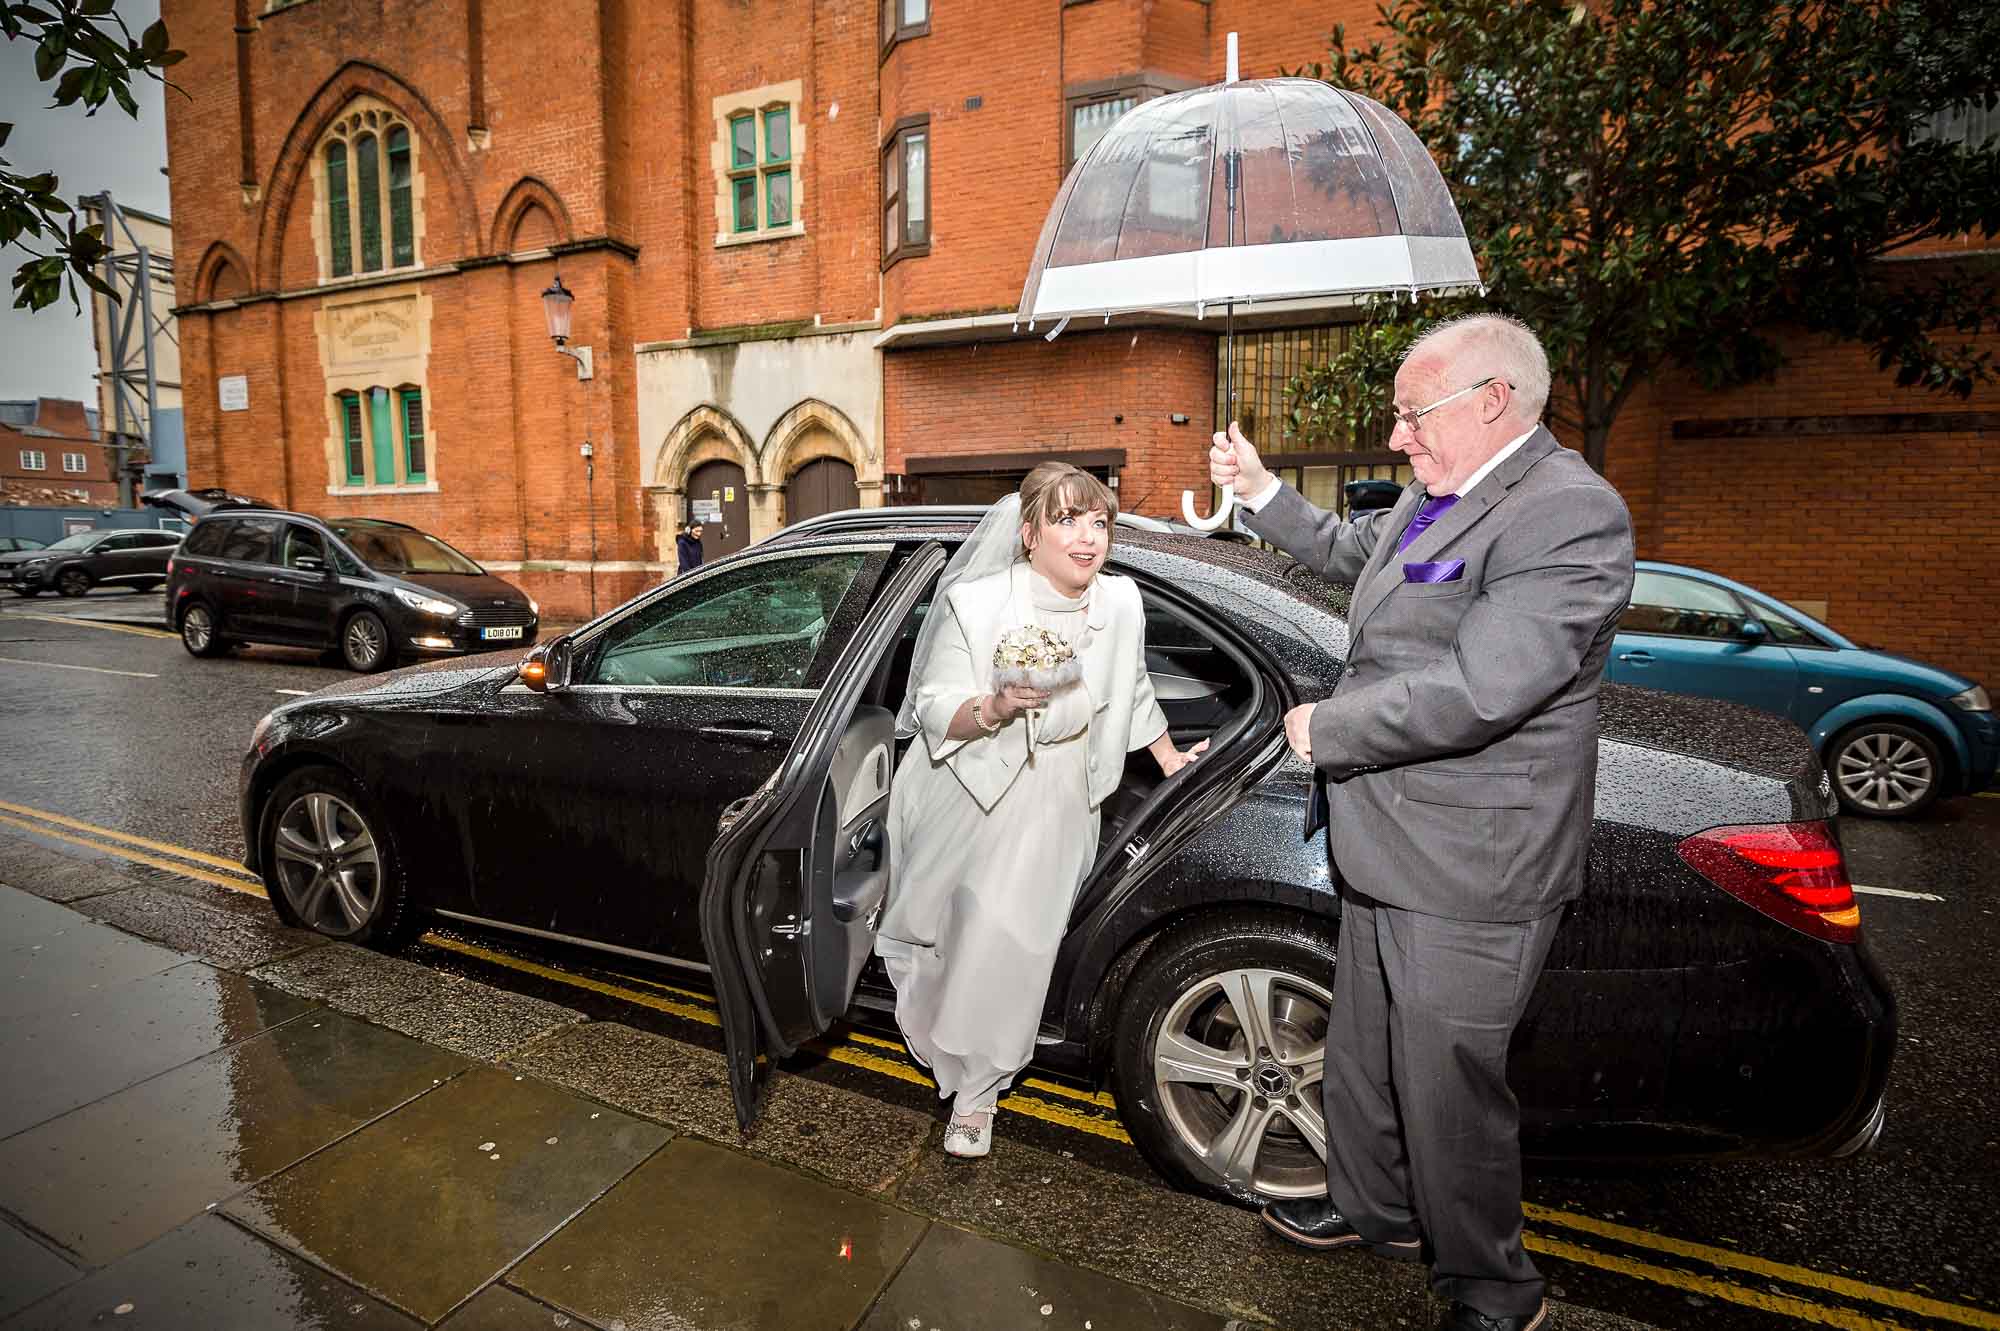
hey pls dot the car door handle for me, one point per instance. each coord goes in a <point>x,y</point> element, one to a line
<point>1636,658</point>
<point>743,733</point>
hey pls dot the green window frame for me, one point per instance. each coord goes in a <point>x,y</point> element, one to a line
<point>368,188</point>
<point>402,224</point>
<point>339,234</point>
<point>743,172</point>
<point>410,416</point>
<point>778,154</point>
<point>384,441</point>
<point>354,455</point>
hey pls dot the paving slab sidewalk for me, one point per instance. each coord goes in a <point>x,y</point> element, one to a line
<point>248,1126</point>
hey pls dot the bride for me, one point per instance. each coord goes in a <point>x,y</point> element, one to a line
<point>994,817</point>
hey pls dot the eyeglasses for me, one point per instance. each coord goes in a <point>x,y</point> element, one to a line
<point>1411,419</point>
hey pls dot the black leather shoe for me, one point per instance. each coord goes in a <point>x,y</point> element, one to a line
<point>1465,1317</point>
<point>1312,1222</point>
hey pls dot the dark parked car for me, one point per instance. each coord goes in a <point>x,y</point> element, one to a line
<point>76,563</point>
<point>15,544</point>
<point>1896,733</point>
<point>699,780</point>
<point>375,590</point>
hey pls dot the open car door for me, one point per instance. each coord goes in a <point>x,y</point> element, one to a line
<point>799,870</point>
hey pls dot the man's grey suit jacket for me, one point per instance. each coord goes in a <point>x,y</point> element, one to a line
<point>1460,743</point>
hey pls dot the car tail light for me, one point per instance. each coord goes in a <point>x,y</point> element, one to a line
<point>170,566</point>
<point>1792,872</point>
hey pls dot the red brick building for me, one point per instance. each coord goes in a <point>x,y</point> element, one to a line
<point>796,232</point>
<point>52,454</point>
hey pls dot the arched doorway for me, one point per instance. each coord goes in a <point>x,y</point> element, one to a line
<point>718,498</point>
<point>824,485</point>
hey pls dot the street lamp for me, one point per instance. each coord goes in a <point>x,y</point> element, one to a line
<point>556,304</point>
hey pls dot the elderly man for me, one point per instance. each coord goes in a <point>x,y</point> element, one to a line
<point>1458,752</point>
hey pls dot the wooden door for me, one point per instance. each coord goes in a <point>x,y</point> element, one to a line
<point>824,485</point>
<point>717,487</point>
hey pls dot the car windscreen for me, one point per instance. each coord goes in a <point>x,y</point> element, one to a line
<point>83,540</point>
<point>400,550</point>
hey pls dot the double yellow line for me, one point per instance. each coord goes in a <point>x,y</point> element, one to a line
<point>1095,1113</point>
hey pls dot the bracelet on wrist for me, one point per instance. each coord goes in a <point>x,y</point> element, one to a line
<point>979,715</point>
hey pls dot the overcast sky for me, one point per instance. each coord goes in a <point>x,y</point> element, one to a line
<point>48,354</point>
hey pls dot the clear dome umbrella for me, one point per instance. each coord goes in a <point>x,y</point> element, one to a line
<point>1289,194</point>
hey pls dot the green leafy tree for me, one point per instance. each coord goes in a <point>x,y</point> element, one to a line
<point>1655,185</point>
<point>87,52</point>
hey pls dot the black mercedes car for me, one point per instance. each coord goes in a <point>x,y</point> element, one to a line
<point>110,557</point>
<point>699,780</point>
<point>372,589</point>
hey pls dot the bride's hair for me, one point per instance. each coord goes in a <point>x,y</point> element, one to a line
<point>1057,490</point>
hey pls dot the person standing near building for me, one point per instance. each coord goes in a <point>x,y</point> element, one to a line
<point>687,548</point>
<point>1458,755</point>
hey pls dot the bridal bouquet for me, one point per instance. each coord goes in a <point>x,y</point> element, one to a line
<point>1036,658</point>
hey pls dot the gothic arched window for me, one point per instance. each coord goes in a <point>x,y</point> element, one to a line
<point>339,236</point>
<point>372,225</point>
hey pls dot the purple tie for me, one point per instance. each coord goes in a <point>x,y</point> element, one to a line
<point>1429,512</point>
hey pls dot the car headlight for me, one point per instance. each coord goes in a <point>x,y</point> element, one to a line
<point>534,607</point>
<point>34,565</point>
<point>263,728</point>
<point>430,605</point>
<point>1974,699</point>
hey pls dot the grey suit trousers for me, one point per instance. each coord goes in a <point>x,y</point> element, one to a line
<point>1417,1053</point>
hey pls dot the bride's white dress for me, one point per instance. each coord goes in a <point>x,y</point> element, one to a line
<point>981,898</point>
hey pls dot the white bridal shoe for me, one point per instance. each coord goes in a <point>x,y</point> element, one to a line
<point>969,1135</point>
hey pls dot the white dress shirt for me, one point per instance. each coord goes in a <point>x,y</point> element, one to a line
<point>1264,496</point>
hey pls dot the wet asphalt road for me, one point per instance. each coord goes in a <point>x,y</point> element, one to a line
<point>124,731</point>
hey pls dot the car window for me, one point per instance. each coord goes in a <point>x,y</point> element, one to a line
<point>82,540</point>
<point>251,540</point>
<point>119,543</point>
<point>758,626</point>
<point>303,543</point>
<point>343,563</point>
<point>1784,628</point>
<point>207,538</point>
<point>1681,607</point>
<point>404,550</point>
<point>159,538</point>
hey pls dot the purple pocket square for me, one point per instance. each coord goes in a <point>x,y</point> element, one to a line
<point>1445,570</point>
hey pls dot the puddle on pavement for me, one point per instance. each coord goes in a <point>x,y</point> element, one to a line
<point>120,1035</point>
<point>430,1203</point>
<point>702,1236</point>
<point>209,1273</point>
<point>956,1281</point>
<point>111,1176</point>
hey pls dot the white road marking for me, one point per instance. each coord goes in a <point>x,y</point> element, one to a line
<point>95,670</point>
<point>1897,892</point>
<point>296,693</point>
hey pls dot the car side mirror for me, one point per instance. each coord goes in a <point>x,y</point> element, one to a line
<point>546,669</point>
<point>1752,631</point>
<point>308,564</point>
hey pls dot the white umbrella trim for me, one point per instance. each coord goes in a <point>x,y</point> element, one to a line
<point>1338,270</point>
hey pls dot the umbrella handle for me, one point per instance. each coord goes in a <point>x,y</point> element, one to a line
<point>1213,520</point>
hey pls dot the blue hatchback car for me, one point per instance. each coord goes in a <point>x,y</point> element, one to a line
<point>1894,733</point>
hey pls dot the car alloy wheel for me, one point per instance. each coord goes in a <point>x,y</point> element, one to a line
<point>329,861</point>
<point>1237,1064</point>
<point>73,582</point>
<point>197,629</point>
<point>198,633</point>
<point>1219,1054</point>
<point>364,643</point>
<point>1885,770</point>
<point>327,864</point>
